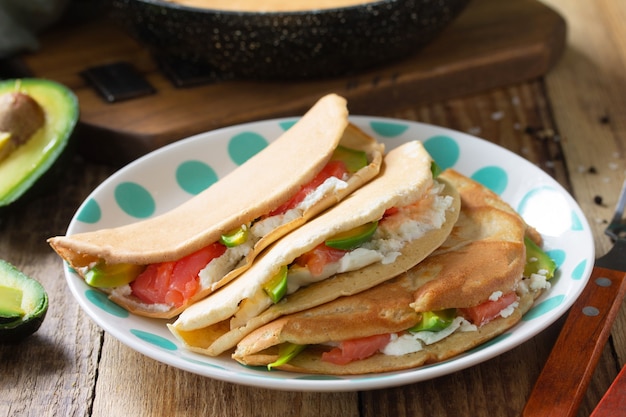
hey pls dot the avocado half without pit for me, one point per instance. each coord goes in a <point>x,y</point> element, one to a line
<point>23,304</point>
<point>37,119</point>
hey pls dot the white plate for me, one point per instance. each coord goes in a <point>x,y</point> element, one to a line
<point>163,179</point>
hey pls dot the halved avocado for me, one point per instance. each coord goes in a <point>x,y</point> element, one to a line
<point>28,162</point>
<point>23,304</point>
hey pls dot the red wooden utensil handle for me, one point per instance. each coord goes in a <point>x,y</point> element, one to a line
<point>563,381</point>
<point>614,401</point>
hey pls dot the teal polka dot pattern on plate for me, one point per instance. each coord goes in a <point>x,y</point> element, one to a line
<point>578,272</point>
<point>154,339</point>
<point>388,129</point>
<point>544,307</point>
<point>558,256</point>
<point>287,124</point>
<point>492,177</point>
<point>243,146</point>
<point>100,300</point>
<point>134,200</point>
<point>576,223</point>
<point>91,212</point>
<point>444,150</point>
<point>195,176</point>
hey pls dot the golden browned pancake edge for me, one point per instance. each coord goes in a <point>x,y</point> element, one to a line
<point>398,184</point>
<point>450,277</point>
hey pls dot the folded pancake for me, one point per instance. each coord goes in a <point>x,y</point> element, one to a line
<point>159,266</point>
<point>409,213</point>
<point>475,286</point>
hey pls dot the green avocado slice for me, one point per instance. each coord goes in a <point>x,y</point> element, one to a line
<point>435,169</point>
<point>353,158</point>
<point>538,261</point>
<point>276,287</point>
<point>434,321</point>
<point>235,237</point>
<point>110,276</point>
<point>286,352</point>
<point>352,238</point>
<point>23,304</point>
<point>33,158</point>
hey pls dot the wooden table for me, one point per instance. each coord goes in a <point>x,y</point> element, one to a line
<point>572,117</point>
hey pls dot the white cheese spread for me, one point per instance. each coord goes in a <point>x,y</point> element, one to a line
<point>495,296</point>
<point>222,265</point>
<point>219,267</point>
<point>299,276</point>
<point>387,242</point>
<point>268,224</point>
<point>414,342</point>
<point>535,282</point>
<point>329,187</point>
<point>507,311</point>
<point>409,223</point>
<point>402,345</point>
<point>539,281</point>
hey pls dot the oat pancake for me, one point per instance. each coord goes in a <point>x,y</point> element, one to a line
<point>279,172</point>
<point>426,211</point>
<point>484,256</point>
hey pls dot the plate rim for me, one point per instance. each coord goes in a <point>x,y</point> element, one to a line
<point>280,380</point>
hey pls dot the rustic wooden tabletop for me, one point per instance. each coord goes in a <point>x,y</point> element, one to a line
<point>568,122</point>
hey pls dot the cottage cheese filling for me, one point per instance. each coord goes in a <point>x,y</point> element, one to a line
<point>410,223</point>
<point>414,342</point>
<point>407,225</point>
<point>219,267</point>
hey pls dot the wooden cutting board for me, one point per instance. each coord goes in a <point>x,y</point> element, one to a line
<point>491,44</point>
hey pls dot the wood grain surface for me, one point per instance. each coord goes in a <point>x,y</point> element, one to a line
<point>570,123</point>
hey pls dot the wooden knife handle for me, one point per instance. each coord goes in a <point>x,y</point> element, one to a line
<point>563,381</point>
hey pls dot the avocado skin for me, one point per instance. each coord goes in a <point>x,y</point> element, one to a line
<point>17,330</point>
<point>44,179</point>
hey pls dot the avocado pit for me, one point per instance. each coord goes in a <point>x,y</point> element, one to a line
<point>20,117</point>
